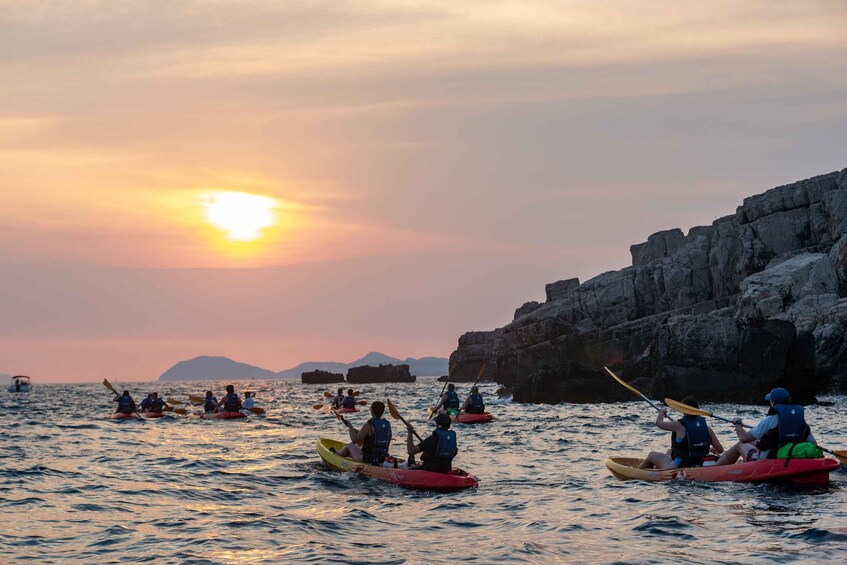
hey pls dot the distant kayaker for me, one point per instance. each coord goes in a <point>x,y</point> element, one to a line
<point>248,401</point>
<point>126,405</point>
<point>474,403</point>
<point>147,402</point>
<point>785,424</point>
<point>449,401</point>
<point>231,402</point>
<point>349,401</point>
<point>370,443</point>
<point>210,402</point>
<point>691,439</point>
<point>438,450</point>
<point>158,404</point>
<point>338,398</point>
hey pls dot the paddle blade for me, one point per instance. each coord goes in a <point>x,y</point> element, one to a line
<point>257,411</point>
<point>481,371</point>
<point>623,382</point>
<point>318,406</point>
<point>108,385</point>
<point>168,408</point>
<point>685,408</point>
<point>841,456</point>
<point>362,403</point>
<point>327,394</point>
<point>356,393</point>
<point>180,411</point>
<point>173,401</point>
<point>393,410</point>
<point>196,399</point>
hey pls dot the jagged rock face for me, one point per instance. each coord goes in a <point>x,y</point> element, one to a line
<point>782,256</point>
<point>526,309</point>
<point>381,374</point>
<point>319,377</point>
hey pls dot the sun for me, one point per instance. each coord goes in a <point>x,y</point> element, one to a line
<point>241,215</point>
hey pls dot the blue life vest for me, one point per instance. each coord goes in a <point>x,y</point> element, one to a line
<point>477,405</point>
<point>348,402</point>
<point>232,403</point>
<point>375,447</point>
<point>157,405</point>
<point>695,445</point>
<point>210,404</point>
<point>126,404</point>
<point>146,403</point>
<point>792,428</point>
<point>446,448</point>
<point>452,400</point>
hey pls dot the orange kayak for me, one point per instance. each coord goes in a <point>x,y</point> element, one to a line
<point>798,471</point>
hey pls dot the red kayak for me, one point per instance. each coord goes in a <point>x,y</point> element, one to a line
<point>223,415</point>
<point>798,471</point>
<point>122,416</point>
<point>347,410</point>
<point>153,414</point>
<point>475,418</point>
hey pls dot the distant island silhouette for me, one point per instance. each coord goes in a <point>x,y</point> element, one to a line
<point>214,368</point>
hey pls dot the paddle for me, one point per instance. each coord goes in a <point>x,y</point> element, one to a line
<point>635,390</point>
<point>196,400</point>
<point>691,411</point>
<point>173,401</point>
<point>256,410</point>
<point>431,411</point>
<point>396,415</point>
<point>318,406</point>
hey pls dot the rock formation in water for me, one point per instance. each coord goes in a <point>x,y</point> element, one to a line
<point>380,374</point>
<point>319,377</point>
<point>727,311</point>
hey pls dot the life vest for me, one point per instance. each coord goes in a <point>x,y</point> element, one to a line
<point>146,403</point>
<point>445,449</point>
<point>157,405</point>
<point>375,447</point>
<point>210,404</point>
<point>477,404</point>
<point>348,402</point>
<point>232,403</point>
<point>695,445</point>
<point>792,428</point>
<point>452,400</point>
<point>126,404</point>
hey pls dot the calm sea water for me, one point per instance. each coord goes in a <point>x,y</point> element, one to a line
<point>76,486</point>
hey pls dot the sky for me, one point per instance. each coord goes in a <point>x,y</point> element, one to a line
<point>430,165</point>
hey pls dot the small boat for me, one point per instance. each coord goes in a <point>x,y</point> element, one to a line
<point>223,415</point>
<point>796,471</point>
<point>20,383</point>
<point>474,418</point>
<point>425,480</point>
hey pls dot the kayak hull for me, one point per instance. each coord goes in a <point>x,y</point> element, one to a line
<point>798,471</point>
<point>153,414</point>
<point>223,415</point>
<point>122,416</point>
<point>475,418</point>
<point>346,410</point>
<point>425,480</point>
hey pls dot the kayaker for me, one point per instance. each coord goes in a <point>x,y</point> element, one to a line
<point>336,400</point>
<point>785,424</point>
<point>349,401</point>
<point>474,403</point>
<point>370,443</point>
<point>147,402</point>
<point>449,400</point>
<point>438,450</point>
<point>126,405</point>
<point>231,402</point>
<point>158,404</point>
<point>248,401</point>
<point>210,402</point>
<point>691,439</point>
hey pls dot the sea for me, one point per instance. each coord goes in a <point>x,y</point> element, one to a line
<point>78,487</point>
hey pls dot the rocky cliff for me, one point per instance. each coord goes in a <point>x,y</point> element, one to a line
<point>725,311</point>
<point>380,374</point>
<point>319,377</point>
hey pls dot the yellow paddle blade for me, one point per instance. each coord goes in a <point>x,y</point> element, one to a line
<point>108,385</point>
<point>841,456</point>
<point>174,401</point>
<point>362,403</point>
<point>623,382</point>
<point>430,411</point>
<point>193,398</point>
<point>257,411</point>
<point>318,406</point>
<point>180,411</point>
<point>328,394</point>
<point>393,410</point>
<point>685,408</point>
<point>356,393</point>
<point>481,371</point>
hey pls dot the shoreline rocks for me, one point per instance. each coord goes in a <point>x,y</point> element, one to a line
<point>319,377</point>
<point>382,374</point>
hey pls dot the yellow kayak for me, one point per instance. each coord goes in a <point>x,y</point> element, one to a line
<point>454,480</point>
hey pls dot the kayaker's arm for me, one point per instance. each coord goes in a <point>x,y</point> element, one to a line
<point>440,402</point>
<point>411,448</point>
<point>358,437</point>
<point>716,444</point>
<point>668,425</point>
<point>743,435</point>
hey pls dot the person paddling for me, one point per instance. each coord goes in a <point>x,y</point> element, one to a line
<point>438,450</point>
<point>231,402</point>
<point>370,443</point>
<point>338,398</point>
<point>249,402</point>
<point>210,402</point>
<point>126,405</point>
<point>691,439</point>
<point>474,403</point>
<point>147,402</point>
<point>157,405</point>
<point>449,401</point>
<point>784,425</point>
<point>349,401</point>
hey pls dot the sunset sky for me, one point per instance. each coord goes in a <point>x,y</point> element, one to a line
<point>427,166</point>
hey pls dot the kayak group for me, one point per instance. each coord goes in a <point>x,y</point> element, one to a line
<point>154,406</point>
